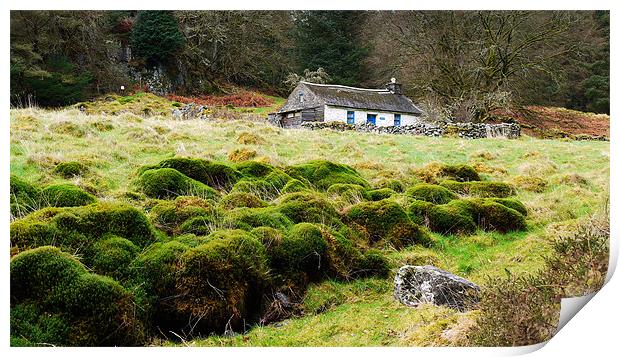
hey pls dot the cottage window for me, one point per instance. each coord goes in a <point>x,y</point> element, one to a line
<point>350,117</point>
<point>396,119</point>
<point>301,97</point>
<point>371,118</point>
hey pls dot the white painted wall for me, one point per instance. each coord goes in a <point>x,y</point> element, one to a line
<point>340,114</point>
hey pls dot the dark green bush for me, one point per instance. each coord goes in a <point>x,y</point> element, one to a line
<point>248,218</point>
<point>380,194</point>
<point>387,223</point>
<point>308,206</point>
<point>497,217</point>
<point>170,183</point>
<point>66,195</point>
<point>222,281</point>
<point>241,199</point>
<point>302,250</point>
<point>25,197</point>
<point>76,227</point>
<point>112,257</point>
<point>213,174</point>
<point>322,174</point>
<point>70,169</point>
<point>431,193</point>
<point>170,216</point>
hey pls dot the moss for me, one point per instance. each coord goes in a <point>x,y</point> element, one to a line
<point>511,203</point>
<point>302,250</point>
<point>24,198</point>
<point>66,195</point>
<point>170,183</point>
<point>374,263</point>
<point>269,237</point>
<point>241,199</point>
<point>70,169</point>
<point>191,240</point>
<point>480,188</point>
<point>386,222</point>
<point>112,257</point>
<point>263,180</point>
<point>248,218</point>
<point>431,193</point>
<point>434,172</point>
<point>98,310</point>
<point>308,206</point>
<point>294,185</point>
<point>68,128</point>
<point>343,256</point>
<point>77,227</point>
<point>322,174</point>
<point>530,183</point>
<point>32,327</point>
<point>392,184</point>
<point>418,211</point>
<point>264,189</point>
<point>380,194</point>
<point>213,174</point>
<point>169,216</point>
<point>222,281</point>
<point>199,225</point>
<point>497,217</point>
<point>450,219</point>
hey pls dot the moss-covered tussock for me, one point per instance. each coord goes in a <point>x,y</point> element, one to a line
<point>70,169</point>
<point>54,299</point>
<point>170,183</point>
<point>431,193</point>
<point>76,228</point>
<point>464,216</point>
<point>172,216</point>
<point>435,172</point>
<point>322,174</point>
<point>480,188</point>
<point>210,173</point>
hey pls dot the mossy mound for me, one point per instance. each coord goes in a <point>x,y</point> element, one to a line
<point>84,309</point>
<point>241,199</point>
<point>380,194</point>
<point>70,169</point>
<point>249,218</point>
<point>309,206</point>
<point>450,219</point>
<point>387,223</point>
<point>431,193</point>
<point>302,251</point>
<point>170,216</point>
<point>66,195</point>
<point>261,179</point>
<point>222,281</point>
<point>269,237</point>
<point>170,183</point>
<point>530,183</point>
<point>78,227</point>
<point>418,211</point>
<point>24,198</point>
<point>322,174</point>
<point>435,172</point>
<point>393,184</point>
<point>294,185</point>
<point>374,263</point>
<point>347,192</point>
<point>480,188</point>
<point>212,174</point>
<point>511,203</point>
<point>498,217</point>
<point>112,257</point>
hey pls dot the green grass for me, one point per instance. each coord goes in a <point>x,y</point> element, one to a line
<point>354,313</point>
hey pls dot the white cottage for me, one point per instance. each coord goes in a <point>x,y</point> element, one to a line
<point>329,102</point>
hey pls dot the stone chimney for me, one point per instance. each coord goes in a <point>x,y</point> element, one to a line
<point>394,87</point>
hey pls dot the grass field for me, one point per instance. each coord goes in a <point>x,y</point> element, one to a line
<point>560,181</point>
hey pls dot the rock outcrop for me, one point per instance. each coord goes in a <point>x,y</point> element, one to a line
<point>414,285</point>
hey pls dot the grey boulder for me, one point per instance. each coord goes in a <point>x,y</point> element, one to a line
<point>414,285</point>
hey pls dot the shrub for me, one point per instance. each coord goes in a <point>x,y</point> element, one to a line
<point>169,216</point>
<point>222,281</point>
<point>70,169</point>
<point>155,36</point>
<point>248,218</point>
<point>66,195</point>
<point>530,183</point>
<point>241,199</point>
<point>25,197</point>
<point>495,216</point>
<point>302,250</point>
<point>386,222</point>
<point>213,174</point>
<point>380,194</point>
<point>169,183</point>
<point>308,206</point>
<point>431,193</point>
<point>112,257</point>
<point>322,174</point>
<point>76,227</point>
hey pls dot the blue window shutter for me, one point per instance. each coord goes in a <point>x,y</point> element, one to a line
<point>350,117</point>
<point>396,119</point>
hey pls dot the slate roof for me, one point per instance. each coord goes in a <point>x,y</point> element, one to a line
<point>361,98</point>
